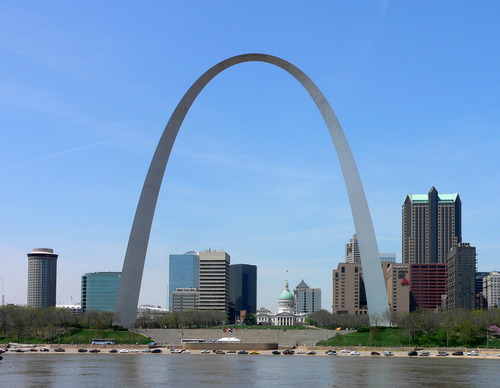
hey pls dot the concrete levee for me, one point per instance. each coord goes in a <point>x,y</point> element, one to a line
<point>231,346</point>
<point>282,337</point>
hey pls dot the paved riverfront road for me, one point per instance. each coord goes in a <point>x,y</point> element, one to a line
<point>115,370</point>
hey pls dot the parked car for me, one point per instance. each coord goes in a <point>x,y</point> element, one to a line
<point>354,353</point>
<point>331,353</point>
<point>288,352</point>
<point>388,353</point>
<point>473,353</point>
<point>442,354</point>
<point>242,352</point>
<point>345,351</point>
<point>220,352</point>
<point>374,354</point>
<point>424,353</point>
<point>33,350</point>
<point>156,350</point>
<point>95,351</point>
<point>301,352</point>
<point>276,352</point>
<point>146,350</point>
<point>82,350</point>
<point>123,351</point>
<point>413,353</point>
<point>457,353</point>
<point>311,352</point>
<point>231,351</point>
<point>113,351</point>
<point>44,349</point>
<point>205,351</point>
<point>254,352</point>
<point>59,350</point>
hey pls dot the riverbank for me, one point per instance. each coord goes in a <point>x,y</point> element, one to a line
<point>301,352</point>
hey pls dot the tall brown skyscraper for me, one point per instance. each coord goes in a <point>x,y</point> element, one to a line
<point>432,225</point>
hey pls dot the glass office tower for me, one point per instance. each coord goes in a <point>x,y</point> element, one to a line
<point>184,272</point>
<point>99,291</point>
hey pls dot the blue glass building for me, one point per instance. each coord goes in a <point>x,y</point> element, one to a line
<point>184,272</point>
<point>99,290</point>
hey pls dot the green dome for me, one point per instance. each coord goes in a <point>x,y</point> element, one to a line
<point>286,295</point>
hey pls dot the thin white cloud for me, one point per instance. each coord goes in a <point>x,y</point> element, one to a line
<point>53,155</point>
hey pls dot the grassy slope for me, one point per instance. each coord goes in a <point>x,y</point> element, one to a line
<point>395,337</point>
<point>81,336</point>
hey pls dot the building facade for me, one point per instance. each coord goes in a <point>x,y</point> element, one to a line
<point>186,299</point>
<point>432,225</point>
<point>397,282</point>
<point>388,257</point>
<point>151,311</point>
<point>286,315</point>
<point>184,272</point>
<point>99,291</point>
<point>481,303</point>
<point>349,296</point>
<point>491,289</point>
<point>214,281</point>
<point>243,288</point>
<point>307,300</point>
<point>427,285</point>
<point>461,274</point>
<point>42,278</point>
<point>352,250</point>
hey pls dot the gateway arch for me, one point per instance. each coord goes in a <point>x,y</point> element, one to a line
<point>133,265</point>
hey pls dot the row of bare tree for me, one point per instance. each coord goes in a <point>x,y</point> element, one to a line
<point>187,319</point>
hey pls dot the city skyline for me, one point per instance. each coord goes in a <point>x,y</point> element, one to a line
<point>84,106</point>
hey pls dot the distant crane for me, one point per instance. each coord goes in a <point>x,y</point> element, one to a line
<point>3,294</point>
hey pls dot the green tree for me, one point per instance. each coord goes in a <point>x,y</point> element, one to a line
<point>250,320</point>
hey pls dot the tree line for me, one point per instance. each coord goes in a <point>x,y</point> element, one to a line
<point>188,319</point>
<point>447,328</point>
<point>21,323</point>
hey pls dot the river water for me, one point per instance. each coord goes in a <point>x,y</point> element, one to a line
<point>141,370</point>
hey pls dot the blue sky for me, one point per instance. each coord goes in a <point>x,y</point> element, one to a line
<point>86,89</point>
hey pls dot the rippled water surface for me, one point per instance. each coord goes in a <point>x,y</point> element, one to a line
<point>140,370</point>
